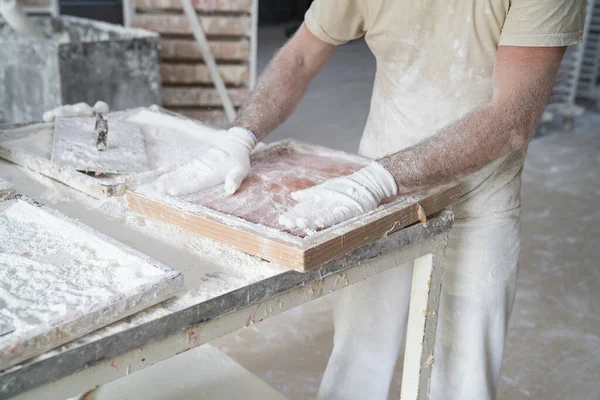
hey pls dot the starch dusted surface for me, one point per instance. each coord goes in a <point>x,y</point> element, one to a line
<point>52,273</point>
<point>75,145</point>
<point>34,139</point>
<point>5,188</point>
<point>274,175</point>
<point>169,140</point>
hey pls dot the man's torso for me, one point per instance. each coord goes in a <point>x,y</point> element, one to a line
<point>435,62</point>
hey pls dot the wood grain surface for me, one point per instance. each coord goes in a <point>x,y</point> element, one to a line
<point>248,219</point>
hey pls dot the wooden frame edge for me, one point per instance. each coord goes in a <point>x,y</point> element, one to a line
<point>338,246</point>
<point>270,249</point>
<point>152,294</point>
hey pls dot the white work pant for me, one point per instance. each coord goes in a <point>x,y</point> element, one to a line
<point>478,290</point>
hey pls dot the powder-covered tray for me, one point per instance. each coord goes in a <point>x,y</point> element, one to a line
<point>60,280</point>
<point>169,139</point>
<point>6,188</point>
<point>75,141</point>
<point>248,220</point>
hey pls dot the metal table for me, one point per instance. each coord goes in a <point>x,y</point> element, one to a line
<point>220,296</point>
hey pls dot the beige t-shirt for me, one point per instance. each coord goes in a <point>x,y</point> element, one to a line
<point>435,61</point>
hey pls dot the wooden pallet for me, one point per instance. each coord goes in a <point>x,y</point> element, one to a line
<point>186,50</point>
<point>198,73</point>
<point>248,220</point>
<point>205,6</point>
<point>37,7</point>
<point>214,116</point>
<point>187,84</point>
<point>174,24</point>
<point>208,97</point>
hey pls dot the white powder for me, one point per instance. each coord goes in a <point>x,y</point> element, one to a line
<point>34,139</point>
<point>5,187</point>
<point>51,270</point>
<point>75,145</point>
<point>172,141</point>
<point>210,269</point>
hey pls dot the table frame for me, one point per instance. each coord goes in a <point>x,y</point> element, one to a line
<point>80,369</point>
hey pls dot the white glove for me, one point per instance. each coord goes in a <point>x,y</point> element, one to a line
<point>74,110</point>
<point>339,199</point>
<point>227,161</point>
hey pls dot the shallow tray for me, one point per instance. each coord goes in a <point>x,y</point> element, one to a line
<point>60,280</point>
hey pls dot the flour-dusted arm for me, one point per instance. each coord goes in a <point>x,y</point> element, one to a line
<point>283,83</point>
<point>523,80</point>
<point>280,88</point>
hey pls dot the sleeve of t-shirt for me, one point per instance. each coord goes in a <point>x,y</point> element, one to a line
<point>544,23</point>
<point>335,21</point>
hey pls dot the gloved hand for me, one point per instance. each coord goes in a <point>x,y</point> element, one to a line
<point>227,161</point>
<point>74,110</point>
<point>339,199</point>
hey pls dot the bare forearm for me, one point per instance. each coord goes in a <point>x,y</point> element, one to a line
<point>459,149</point>
<point>279,90</point>
<point>523,80</point>
<point>282,85</point>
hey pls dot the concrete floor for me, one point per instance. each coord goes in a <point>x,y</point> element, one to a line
<point>553,348</point>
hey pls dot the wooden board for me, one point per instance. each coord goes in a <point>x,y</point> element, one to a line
<point>212,116</point>
<point>188,50</point>
<point>75,145</point>
<point>61,280</point>
<point>34,3</point>
<point>248,219</point>
<point>182,73</point>
<point>179,25</point>
<point>200,96</point>
<point>230,26</point>
<point>6,188</point>
<point>200,5</point>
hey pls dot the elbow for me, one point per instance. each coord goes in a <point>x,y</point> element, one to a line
<point>521,133</point>
<point>292,62</point>
<point>521,122</point>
